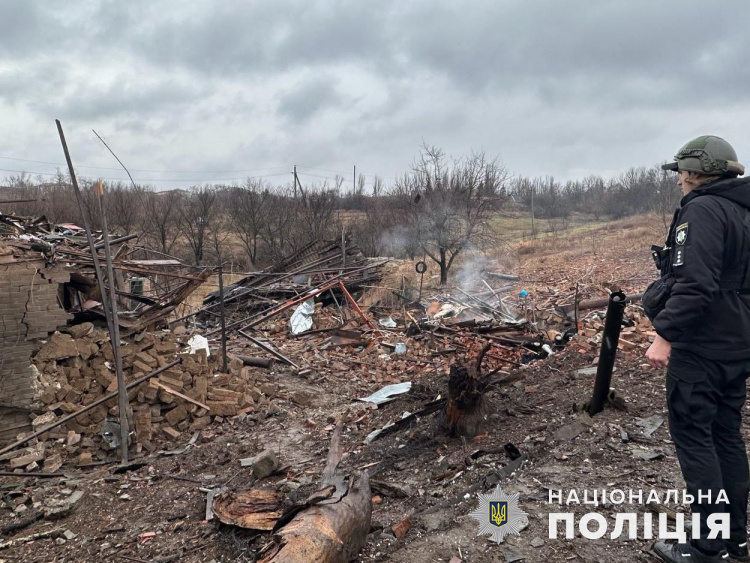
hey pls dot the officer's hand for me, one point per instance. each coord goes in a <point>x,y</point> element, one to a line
<point>658,353</point>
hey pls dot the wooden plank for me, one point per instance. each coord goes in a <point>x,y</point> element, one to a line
<point>154,262</point>
<point>180,395</point>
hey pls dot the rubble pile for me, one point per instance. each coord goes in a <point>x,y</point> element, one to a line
<point>315,265</point>
<point>76,368</point>
<point>637,331</point>
<point>48,273</point>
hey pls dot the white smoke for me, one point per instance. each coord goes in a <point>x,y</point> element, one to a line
<point>396,242</point>
<point>471,272</point>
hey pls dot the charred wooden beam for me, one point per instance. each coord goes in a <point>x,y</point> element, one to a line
<point>264,363</point>
<point>596,304</point>
<point>333,529</point>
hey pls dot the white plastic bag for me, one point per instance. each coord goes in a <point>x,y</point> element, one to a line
<point>302,317</point>
<point>198,342</point>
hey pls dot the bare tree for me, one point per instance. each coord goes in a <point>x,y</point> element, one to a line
<point>377,186</point>
<point>197,215</point>
<point>162,221</point>
<point>216,239</point>
<point>338,183</point>
<point>289,223</point>
<point>450,205</point>
<point>277,230</point>
<point>60,201</point>
<point>125,204</point>
<point>594,193</point>
<point>550,201</point>
<point>317,215</point>
<point>248,210</point>
<point>384,230</point>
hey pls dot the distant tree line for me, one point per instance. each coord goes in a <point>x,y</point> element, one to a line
<point>637,190</point>
<point>435,211</point>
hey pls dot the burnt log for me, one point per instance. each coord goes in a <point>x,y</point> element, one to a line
<point>333,525</point>
<point>327,533</point>
<point>253,361</point>
<point>257,509</point>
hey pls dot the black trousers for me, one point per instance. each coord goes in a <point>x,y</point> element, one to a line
<point>705,399</point>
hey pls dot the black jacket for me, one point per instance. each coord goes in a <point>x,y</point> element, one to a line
<point>705,312</point>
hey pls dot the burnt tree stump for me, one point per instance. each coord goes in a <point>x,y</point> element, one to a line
<point>466,411</point>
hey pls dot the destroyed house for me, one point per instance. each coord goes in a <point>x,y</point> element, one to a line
<point>47,281</point>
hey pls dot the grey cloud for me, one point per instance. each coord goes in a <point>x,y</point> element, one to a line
<point>552,87</point>
<point>121,98</point>
<point>26,27</point>
<point>45,79</point>
<point>307,99</point>
<point>556,50</point>
<point>562,49</point>
<point>230,38</point>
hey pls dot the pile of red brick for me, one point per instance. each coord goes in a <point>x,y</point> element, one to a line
<point>76,368</point>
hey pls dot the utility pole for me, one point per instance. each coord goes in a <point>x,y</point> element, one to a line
<point>533,232</point>
<point>354,182</point>
<point>297,183</point>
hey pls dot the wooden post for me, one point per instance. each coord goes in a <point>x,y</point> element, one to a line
<point>222,311</point>
<point>533,231</point>
<point>343,248</point>
<point>122,393</point>
<point>106,305</point>
<point>297,183</point>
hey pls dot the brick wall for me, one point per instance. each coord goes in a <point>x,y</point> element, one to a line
<point>29,310</point>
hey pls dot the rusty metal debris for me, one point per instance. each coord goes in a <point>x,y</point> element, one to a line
<point>314,266</point>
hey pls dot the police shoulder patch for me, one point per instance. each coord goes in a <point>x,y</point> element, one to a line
<point>681,233</point>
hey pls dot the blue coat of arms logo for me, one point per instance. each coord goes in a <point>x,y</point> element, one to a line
<point>498,514</point>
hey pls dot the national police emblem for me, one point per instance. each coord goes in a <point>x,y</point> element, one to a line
<point>498,514</point>
<point>681,234</point>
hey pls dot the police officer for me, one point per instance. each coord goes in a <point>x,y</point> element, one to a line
<point>703,338</point>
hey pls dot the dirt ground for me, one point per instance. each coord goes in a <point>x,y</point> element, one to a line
<point>157,512</point>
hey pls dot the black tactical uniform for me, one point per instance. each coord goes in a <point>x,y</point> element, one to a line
<point>706,313</point>
<point>706,318</point>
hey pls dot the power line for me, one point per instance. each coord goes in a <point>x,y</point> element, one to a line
<point>238,171</point>
<point>145,170</point>
<point>143,180</point>
<point>116,158</point>
<point>324,169</point>
<point>316,175</point>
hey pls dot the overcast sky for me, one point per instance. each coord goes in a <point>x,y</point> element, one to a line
<point>215,91</point>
